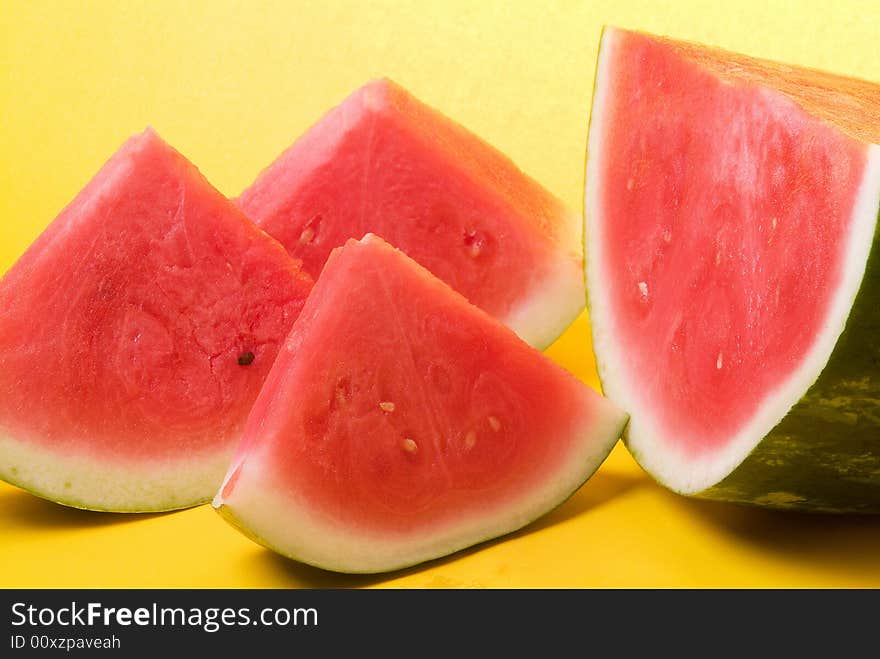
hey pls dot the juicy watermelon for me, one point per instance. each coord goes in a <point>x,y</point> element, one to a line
<point>383,162</point>
<point>135,334</point>
<point>733,271</point>
<point>401,423</point>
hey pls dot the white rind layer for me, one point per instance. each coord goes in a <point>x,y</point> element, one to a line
<point>85,482</point>
<point>664,457</point>
<point>271,515</point>
<point>552,305</point>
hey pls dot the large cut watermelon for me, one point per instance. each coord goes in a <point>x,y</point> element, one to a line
<point>383,162</point>
<point>401,423</point>
<point>734,274</point>
<point>135,334</point>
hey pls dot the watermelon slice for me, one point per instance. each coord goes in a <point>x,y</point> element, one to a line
<point>383,162</point>
<point>734,274</point>
<point>135,334</point>
<point>401,423</point>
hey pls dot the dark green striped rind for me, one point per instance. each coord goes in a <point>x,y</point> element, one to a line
<point>824,456</point>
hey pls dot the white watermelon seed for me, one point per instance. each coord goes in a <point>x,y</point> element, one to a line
<point>719,362</point>
<point>409,445</point>
<point>470,439</point>
<point>386,406</point>
<point>643,288</point>
<point>494,423</point>
<point>667,235</point>
<point>307,235</point>
<point>475,241</point>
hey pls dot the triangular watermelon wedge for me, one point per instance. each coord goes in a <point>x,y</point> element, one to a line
<point>384,162</point>
<point>135,334</point>
<point>734,271</point>
<point>401,423</point>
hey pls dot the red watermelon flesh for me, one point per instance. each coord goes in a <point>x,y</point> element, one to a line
<point>135,334</point>
<point>731,208</point>
<point>401,423</point>
<point>383,162</point>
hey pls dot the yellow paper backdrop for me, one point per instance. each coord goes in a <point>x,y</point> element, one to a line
<point>232,83</point>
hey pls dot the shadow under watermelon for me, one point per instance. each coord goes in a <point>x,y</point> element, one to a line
<point>848,545</point>
<point>20,509</point>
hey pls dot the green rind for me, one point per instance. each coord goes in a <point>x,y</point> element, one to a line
<point>824,456</point>
<point>229,516</point>
<point>170,506</point>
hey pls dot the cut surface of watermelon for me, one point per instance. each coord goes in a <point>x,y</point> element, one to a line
<point>731,222</point>
<point>386,163</point>
<point>124,332</point>
<point>401,423</point>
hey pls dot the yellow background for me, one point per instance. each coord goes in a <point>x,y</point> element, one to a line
<point>232,83</point>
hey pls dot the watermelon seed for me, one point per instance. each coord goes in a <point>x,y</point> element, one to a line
<point>494,423</point>
<point>311,230</point>
<point>629,184</point>
<point>773,222</point>
<point>409,445</point>
<point>470,439</point>
<point>643,288</point>
<point>475,242</point>
<point>719,362</point>
<point>667,236</point>
<point>386,406</point>
<point>246,358</point>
